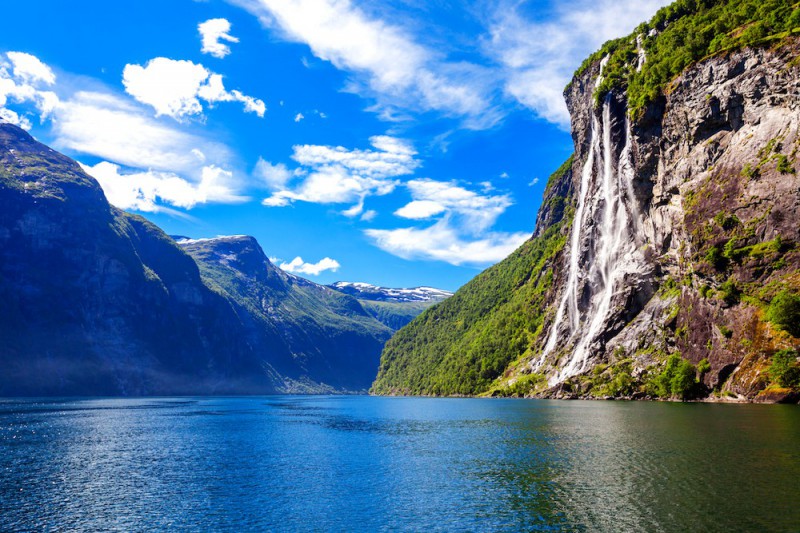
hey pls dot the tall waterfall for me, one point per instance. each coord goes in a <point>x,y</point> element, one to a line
<point>604,245</point>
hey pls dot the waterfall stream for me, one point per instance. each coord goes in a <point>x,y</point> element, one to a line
<point>603,245</point>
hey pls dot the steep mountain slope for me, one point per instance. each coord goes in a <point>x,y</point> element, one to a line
<point>95,301</point>
<point>677,256</point>
<point>392,307</point>
<point>319,339</point>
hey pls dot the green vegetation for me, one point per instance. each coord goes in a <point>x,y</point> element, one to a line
<point>521,387</point>
<point>716,258</point>
<point>784,167</point>
<point>729,292</point>
<point>686,32</point>
<point>784,312</point>
<point>462,345</point>
<point>784,370</point>
<point>703,367</point>
<point>612,381</point>
<point>394,314</point>
<point>676,380</point>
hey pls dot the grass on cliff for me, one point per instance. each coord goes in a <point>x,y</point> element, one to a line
<point>460,346</point>
<point>684,33</point>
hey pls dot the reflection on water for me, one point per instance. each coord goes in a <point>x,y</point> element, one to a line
<point>366,464</point>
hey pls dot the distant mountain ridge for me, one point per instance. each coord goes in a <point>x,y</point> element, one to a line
<point>392,307</point>
<point>365,291</point>
<point>96,301</point>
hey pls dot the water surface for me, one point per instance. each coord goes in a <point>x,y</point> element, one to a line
<point>377,464</point>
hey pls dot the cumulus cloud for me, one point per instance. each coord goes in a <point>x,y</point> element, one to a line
<point>443,242</point>
<point>112,128</point>
<point>212,33</point>
<point>30,69</point>
<point>420,209</point>
<point>334,174</point>
<point>25,80</point>
<point>146,164</point>
<point>175,87</point>
<point>474,212</point>
<point>461,235</point>
<point>298,266</point>
<point>539,58</point>
<point>298,117</point>
<point>274,176</point>
<point>147,190</point>
<point>386,62</point>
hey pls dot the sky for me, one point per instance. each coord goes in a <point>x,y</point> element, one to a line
<point>401,143</point>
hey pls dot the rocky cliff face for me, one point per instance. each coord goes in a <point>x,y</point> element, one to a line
<point>685,225</point>
<point>666,257</point>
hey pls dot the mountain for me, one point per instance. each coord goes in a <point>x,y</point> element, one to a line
<point>319,339</point>
<point>96,301</point>
<point>393,307</point>
<point>666,256</point>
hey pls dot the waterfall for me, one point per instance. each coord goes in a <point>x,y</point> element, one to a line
<point>603,244</point>
<point>641,54</point>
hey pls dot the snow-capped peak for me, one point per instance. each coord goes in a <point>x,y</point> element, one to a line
<point>373,292</point>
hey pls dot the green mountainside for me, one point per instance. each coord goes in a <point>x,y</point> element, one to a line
<point>460,346</point>
<point>693,117</point>
<point>683,33</point>
<point>320,340</point>
<point>96,301</point>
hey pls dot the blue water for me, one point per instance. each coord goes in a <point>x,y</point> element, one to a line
<point>392,464</point>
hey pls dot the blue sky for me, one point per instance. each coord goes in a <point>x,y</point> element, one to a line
<point>397,142</point>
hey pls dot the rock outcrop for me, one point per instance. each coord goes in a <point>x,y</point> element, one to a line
<point>702,230</point>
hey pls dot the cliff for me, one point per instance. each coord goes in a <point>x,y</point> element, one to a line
<point>676,266</point>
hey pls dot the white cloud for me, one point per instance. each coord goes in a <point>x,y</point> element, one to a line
<point>30,69</point>
<point>275,176</point>
<point>298,117</point>
<point>354,211</point>
<point>146,190</point>
<point>474,212</point>
<point>212,32</point>
<point>298,266</point>
<point>386,62</point>
<point>338,175</point>
<point>109,127</point>
<point>420,209</point>
<point>442,242</point>
<point>175,88</point>
<point>24,79</point>
<point>369,215</point>
<point>146,164</point>
<point>539,58</point>
<point>7,115</point>
<point>533,182</point>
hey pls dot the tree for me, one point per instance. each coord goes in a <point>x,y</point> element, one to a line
<point>784,312</point>
<point>784,369</point>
